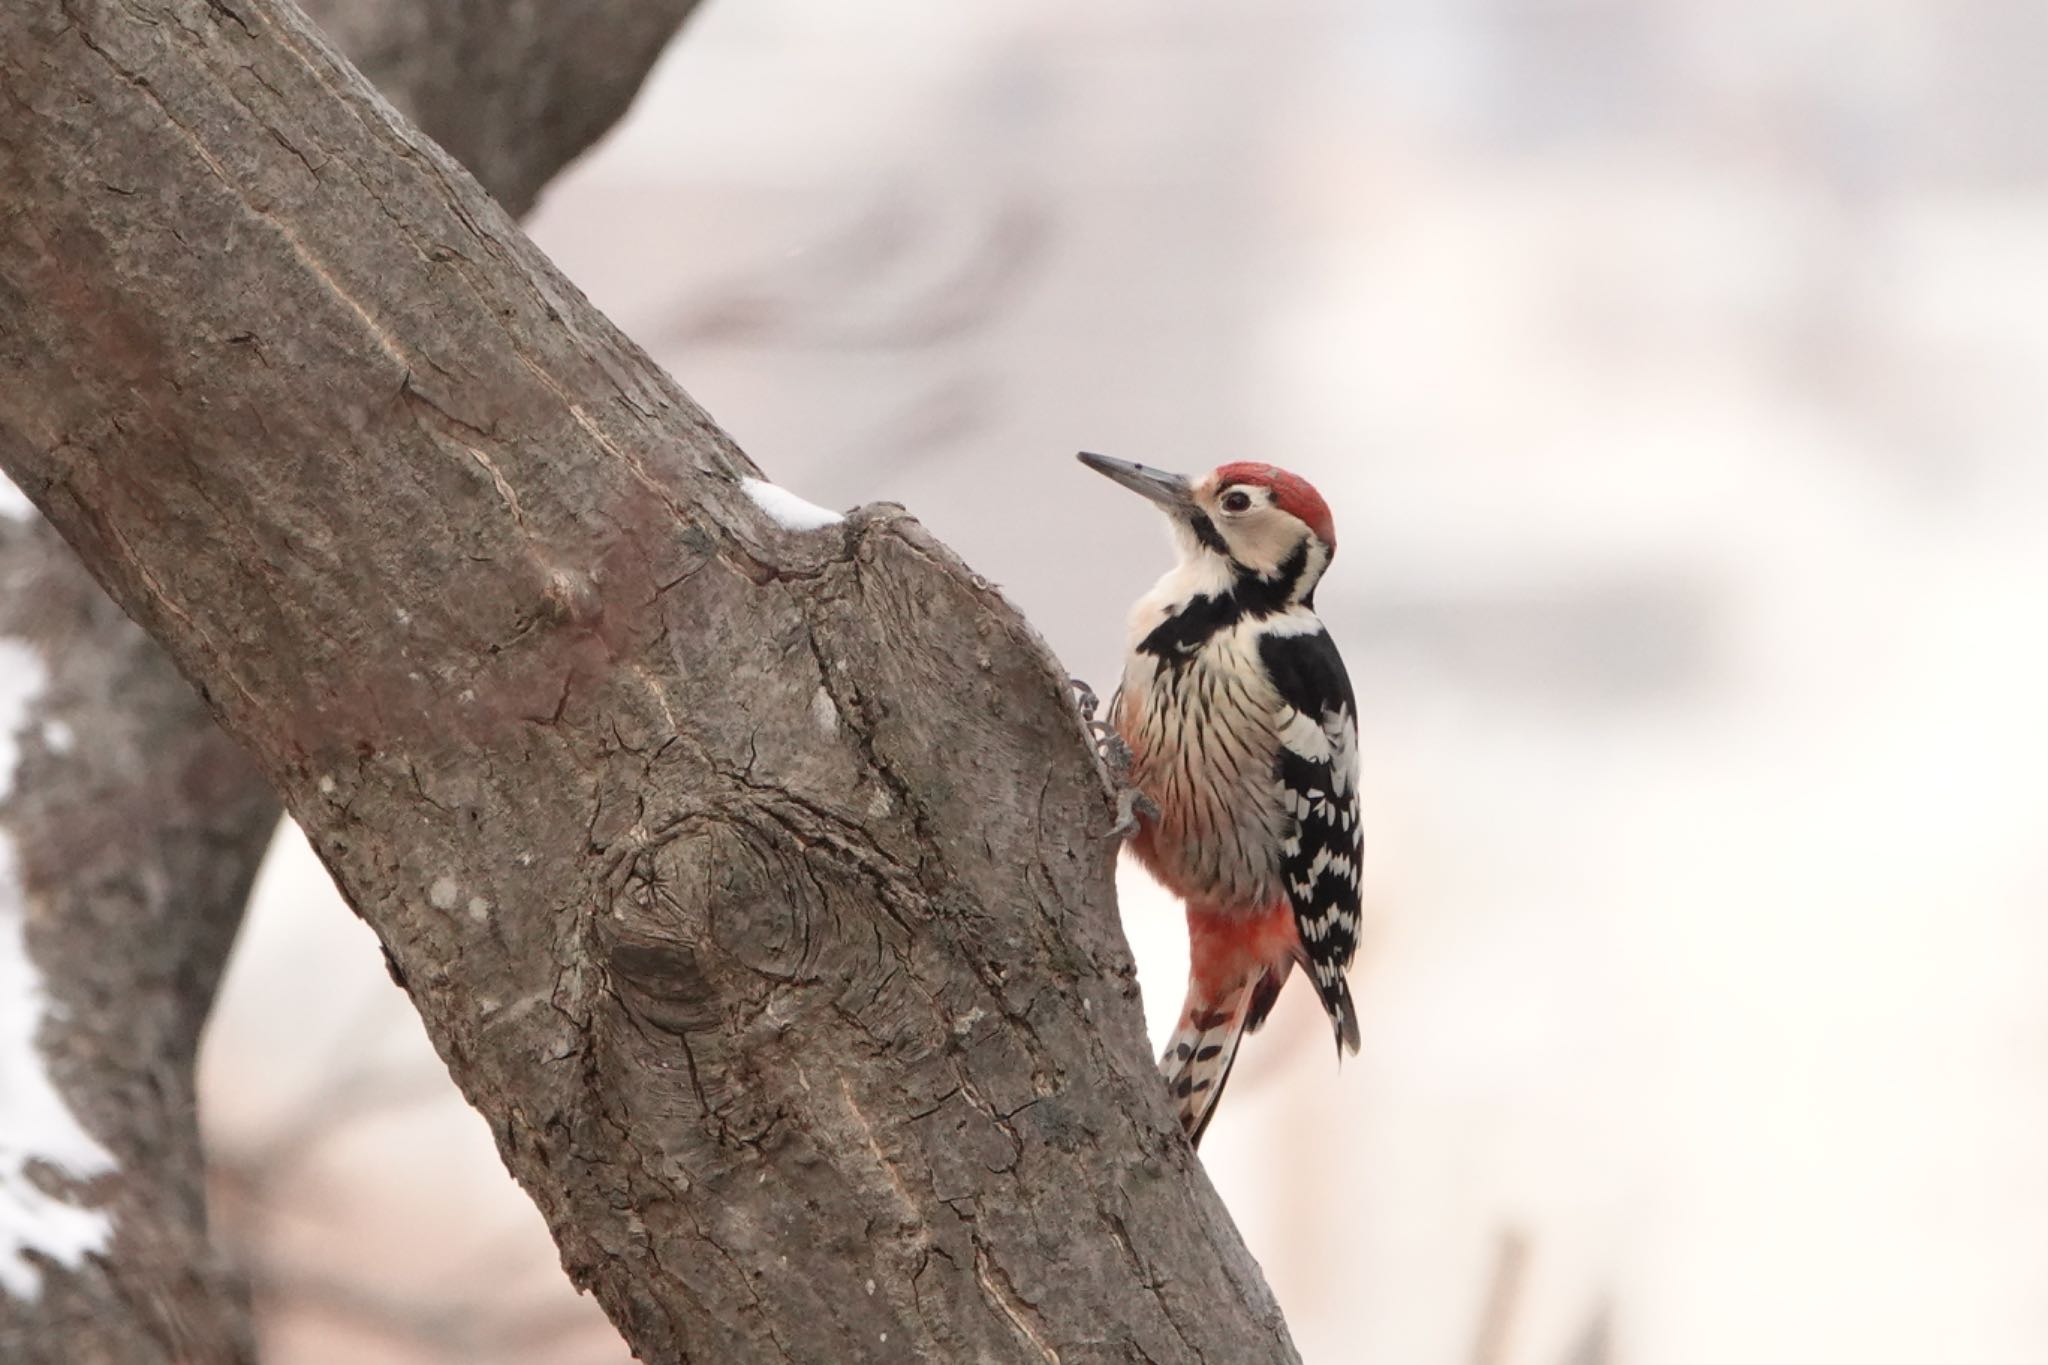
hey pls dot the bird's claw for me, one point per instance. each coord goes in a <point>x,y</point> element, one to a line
<point>1114,754</point>
<point>1132,808</point>
<point>1111,749</point>
<point>1109,745</point>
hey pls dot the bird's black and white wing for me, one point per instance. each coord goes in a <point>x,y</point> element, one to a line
<point>1317,769</point>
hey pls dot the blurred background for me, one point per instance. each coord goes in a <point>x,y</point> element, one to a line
<point>1676,373</point>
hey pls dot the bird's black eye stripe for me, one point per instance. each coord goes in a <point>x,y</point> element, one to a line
<point>1236,500</point>
<point>1205,532</point>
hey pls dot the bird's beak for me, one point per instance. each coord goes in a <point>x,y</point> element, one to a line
<point>1172,491</point>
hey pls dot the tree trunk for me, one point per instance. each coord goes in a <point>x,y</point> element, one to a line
<point>128,841</point>
<point>132,825</point>
<point>751,871</point>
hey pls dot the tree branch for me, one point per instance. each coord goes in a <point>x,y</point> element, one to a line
<point>134,825</point>
<point>512,91</point>
<point>755,883</point>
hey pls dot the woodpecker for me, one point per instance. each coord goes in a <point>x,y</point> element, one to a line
<point>1243,735</point>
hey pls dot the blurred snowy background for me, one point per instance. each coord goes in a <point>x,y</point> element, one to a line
<point>1676,372</point>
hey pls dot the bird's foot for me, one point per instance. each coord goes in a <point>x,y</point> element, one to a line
<point>1114,755</point>
<point>1110,748</point>
<point>1132,807</point>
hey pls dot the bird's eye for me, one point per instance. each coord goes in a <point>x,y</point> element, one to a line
<point>1237,500</point>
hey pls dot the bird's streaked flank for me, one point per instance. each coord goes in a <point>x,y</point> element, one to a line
<point>1243,735</point>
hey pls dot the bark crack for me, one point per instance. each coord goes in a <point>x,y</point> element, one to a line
<point>995,1283</point>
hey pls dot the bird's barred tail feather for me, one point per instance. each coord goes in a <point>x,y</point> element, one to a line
<point>1198,1057</point>
<point>1197,1061</point>
<point>1336,996</point>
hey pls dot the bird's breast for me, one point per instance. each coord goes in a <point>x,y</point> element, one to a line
<point>1201,727</point>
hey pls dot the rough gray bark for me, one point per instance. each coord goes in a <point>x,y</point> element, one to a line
<point>141,827</point>
<point>754,884</point>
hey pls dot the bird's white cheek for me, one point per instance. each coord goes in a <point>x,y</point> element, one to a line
<point>1262,545</point>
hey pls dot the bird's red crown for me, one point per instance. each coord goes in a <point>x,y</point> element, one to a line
<point>1291,494</point>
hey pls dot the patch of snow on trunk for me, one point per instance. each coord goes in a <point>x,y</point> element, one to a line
<point>787,508</point>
